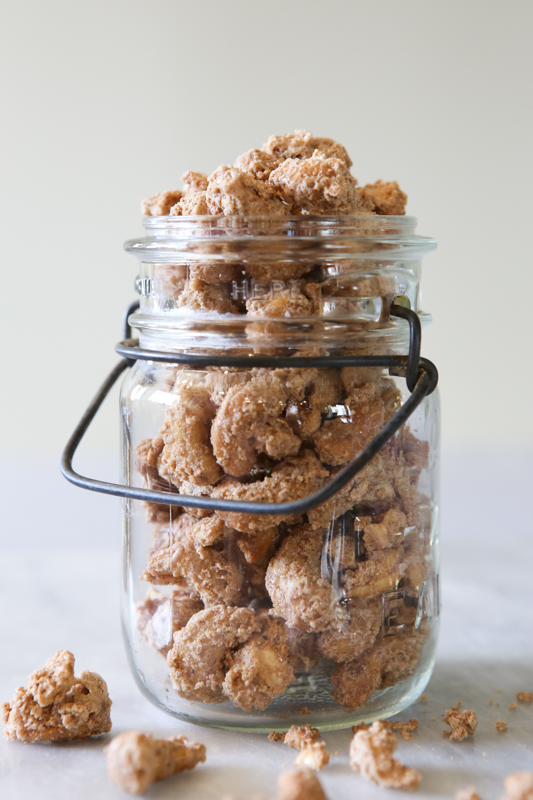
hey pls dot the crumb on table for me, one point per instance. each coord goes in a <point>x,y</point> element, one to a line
<point>501,726</point>
<point>462,723</point>
<point>371,755</point>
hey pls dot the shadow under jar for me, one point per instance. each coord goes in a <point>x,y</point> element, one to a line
<point>258,622</point>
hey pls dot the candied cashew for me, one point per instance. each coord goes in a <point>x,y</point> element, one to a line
<point>231,191</point>
<point>260,670</point>
<point>160,204</point>
<point>58,706</point>
<point>319,185</point>
<point>295,301</point>
<point>198,295</point>
<point>355,635</point>
<point>248,423</point>
<point>389,660</point>
<point>187,454</point>
<point>135,760</point>
<point>198,656</point>
<point>213,572</point>
<point>339,440</point>
<point>387,197</point>
<point>148,452</point>
<point>159,616</point>
<point>371,755</point>
<point>299,592</point>
<point>302,144</point>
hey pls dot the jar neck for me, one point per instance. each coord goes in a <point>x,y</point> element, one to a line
<point>277,285</point>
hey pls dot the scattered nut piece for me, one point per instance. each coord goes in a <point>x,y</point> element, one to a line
<point>490,703</point>
<point>301,736</point>
<point>136,760</point>
<point>300,784</point>
<point>423,698</point>
<point>462,723</point>
<point>469,793</point>
<point>512,706</point>
<point>519,786</point>
<point>501,727</point>
<point>57,706</point>
<point>371,754</point>
<point>315,756</point>
<point>524,697</point>
<point>273,736</point>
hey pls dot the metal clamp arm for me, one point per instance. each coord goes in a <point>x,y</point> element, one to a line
<point>425,384</point>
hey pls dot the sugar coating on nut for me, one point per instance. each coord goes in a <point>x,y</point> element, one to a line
<point>58,706</point>
<point>371,754</point>
<point>302,144</point>
<point>462,723</point>
<point>135,760</point>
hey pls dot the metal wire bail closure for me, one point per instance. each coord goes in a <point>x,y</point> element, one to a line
<point>421,377</point>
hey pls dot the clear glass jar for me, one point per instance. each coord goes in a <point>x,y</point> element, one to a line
<point>255,622</point>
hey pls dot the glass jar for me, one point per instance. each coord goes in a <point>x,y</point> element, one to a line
<point>260,621</point>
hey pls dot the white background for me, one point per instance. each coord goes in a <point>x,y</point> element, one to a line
<point>105,103</point>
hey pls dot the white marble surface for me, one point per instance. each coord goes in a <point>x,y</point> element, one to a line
<point>60,568</point>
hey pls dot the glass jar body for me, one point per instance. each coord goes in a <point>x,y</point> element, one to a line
<point>258,622</point>
<point>332,615</point>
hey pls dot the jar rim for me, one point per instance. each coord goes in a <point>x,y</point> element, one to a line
<point>258,236</point>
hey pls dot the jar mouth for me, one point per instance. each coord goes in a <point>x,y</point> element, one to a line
<point>296,236</point>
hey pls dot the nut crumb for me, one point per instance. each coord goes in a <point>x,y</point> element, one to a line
<point>304,710</point>
<point>315,756</point>
<point>512,706</point>
<point>519,786</point>
<point>57,706</point>
<point>462,723</point>
<point>136,760</point>
<point>423,698</point>
<point>469,793</point>
<point>371,754</point>
<point>273,736</point>
<point>524,697</point>
<point>490,703</point>
<point>501,727</point>
<point>362,726</point>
